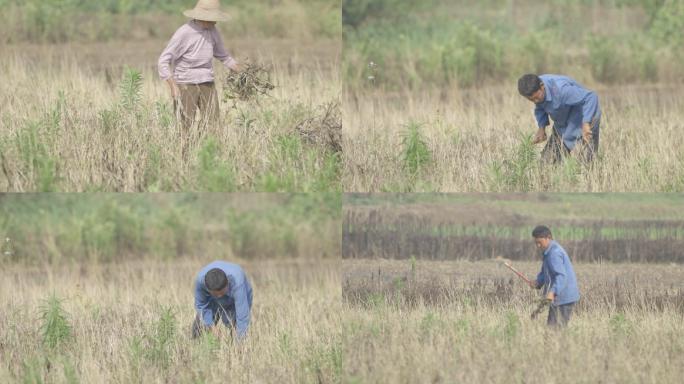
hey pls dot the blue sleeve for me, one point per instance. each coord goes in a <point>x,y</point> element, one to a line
<point>202,305</point>
<point>541,116</point>
<point>573,95</point>
<point>540,278</point>
<point>242,310</point>
<point>557,271</point>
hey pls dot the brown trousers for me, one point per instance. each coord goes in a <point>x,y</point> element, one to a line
<point>195,97</point>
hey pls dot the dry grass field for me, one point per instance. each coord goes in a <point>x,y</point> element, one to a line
<point>76,119</point>
<point>427,297</point>
<point>83,108</point>
<point>458,321</point>
<point>131,323</point>
<point>430,100</point>
<point>99,288</point>
<point>478,140</point>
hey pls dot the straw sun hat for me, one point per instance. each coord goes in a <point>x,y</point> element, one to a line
<point>207,10</point>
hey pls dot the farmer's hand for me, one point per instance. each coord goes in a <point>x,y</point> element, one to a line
<point>550,296</point>
<point>535,285</point>
<point>175,91</point>
<point>235,67</point>
<point>586,132</point>
<point>540,136</point>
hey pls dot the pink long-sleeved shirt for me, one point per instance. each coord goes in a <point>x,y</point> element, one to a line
<point>190,52</point>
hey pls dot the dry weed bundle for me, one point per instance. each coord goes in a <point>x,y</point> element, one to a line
<point>325,128</point>
<point>250,83</point>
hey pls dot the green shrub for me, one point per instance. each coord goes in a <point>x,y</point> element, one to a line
<point>36,160</point>
<point>356,12</point>
<point>483,55</point>
<point>644,59</point>
<point>415,153</point>
<point>162,339</point>
<point>465,54</point>
<point>531,54</point>
<point>620,325</point>
<point>604,59</point>
<point>112,230</point>
<point>156,344</point>
<point>242,234</point>
<point>55,327</point>
<point>515,174</point>
<point>130,89</point>
<point>668,23</point>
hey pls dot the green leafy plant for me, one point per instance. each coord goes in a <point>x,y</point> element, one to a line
<point>620,325</point>
<point>415,154</point>
<point>130,89</point>
<point>32,371</point>
<point>605,59</point>
<point>515,174</point>
<point>163,337</point>
<point>55,327</point>
<point>36,160</point>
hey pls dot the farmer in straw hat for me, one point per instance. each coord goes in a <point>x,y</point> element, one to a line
<point>190,51</point>
<point>222,291</point>
<point>557,277</point>
<point>575,112</point>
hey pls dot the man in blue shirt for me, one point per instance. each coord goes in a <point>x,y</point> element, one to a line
<point>557,277</point>
<point>223,291</point>
<point>575,112</point>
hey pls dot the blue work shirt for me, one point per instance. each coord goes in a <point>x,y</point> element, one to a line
<point>557,275</point>
<point>238,299</point>
<point>569,105</point>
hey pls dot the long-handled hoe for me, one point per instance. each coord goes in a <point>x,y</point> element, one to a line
<point>543,303</point>
<point>528,281</point>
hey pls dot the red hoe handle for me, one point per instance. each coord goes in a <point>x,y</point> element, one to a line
<point>528,281</point>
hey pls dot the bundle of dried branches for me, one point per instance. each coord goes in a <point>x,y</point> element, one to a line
<point>324,129</point>
<point>253,81</point>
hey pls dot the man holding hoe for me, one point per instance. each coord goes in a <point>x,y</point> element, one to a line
<point>223,291</point>
<point>575,112</point>
<point>557,277</point>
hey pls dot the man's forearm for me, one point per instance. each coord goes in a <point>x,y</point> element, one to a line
<point>175,91</point>
<point>540,136</point>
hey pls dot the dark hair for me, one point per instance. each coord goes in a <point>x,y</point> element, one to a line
<point>529,84</point>
<point>541,231</point>
<point>215,280</point>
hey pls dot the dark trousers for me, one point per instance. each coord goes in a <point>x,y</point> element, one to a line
<point>555,150</point>
<point>559,316</point>
<point>227,317</point>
